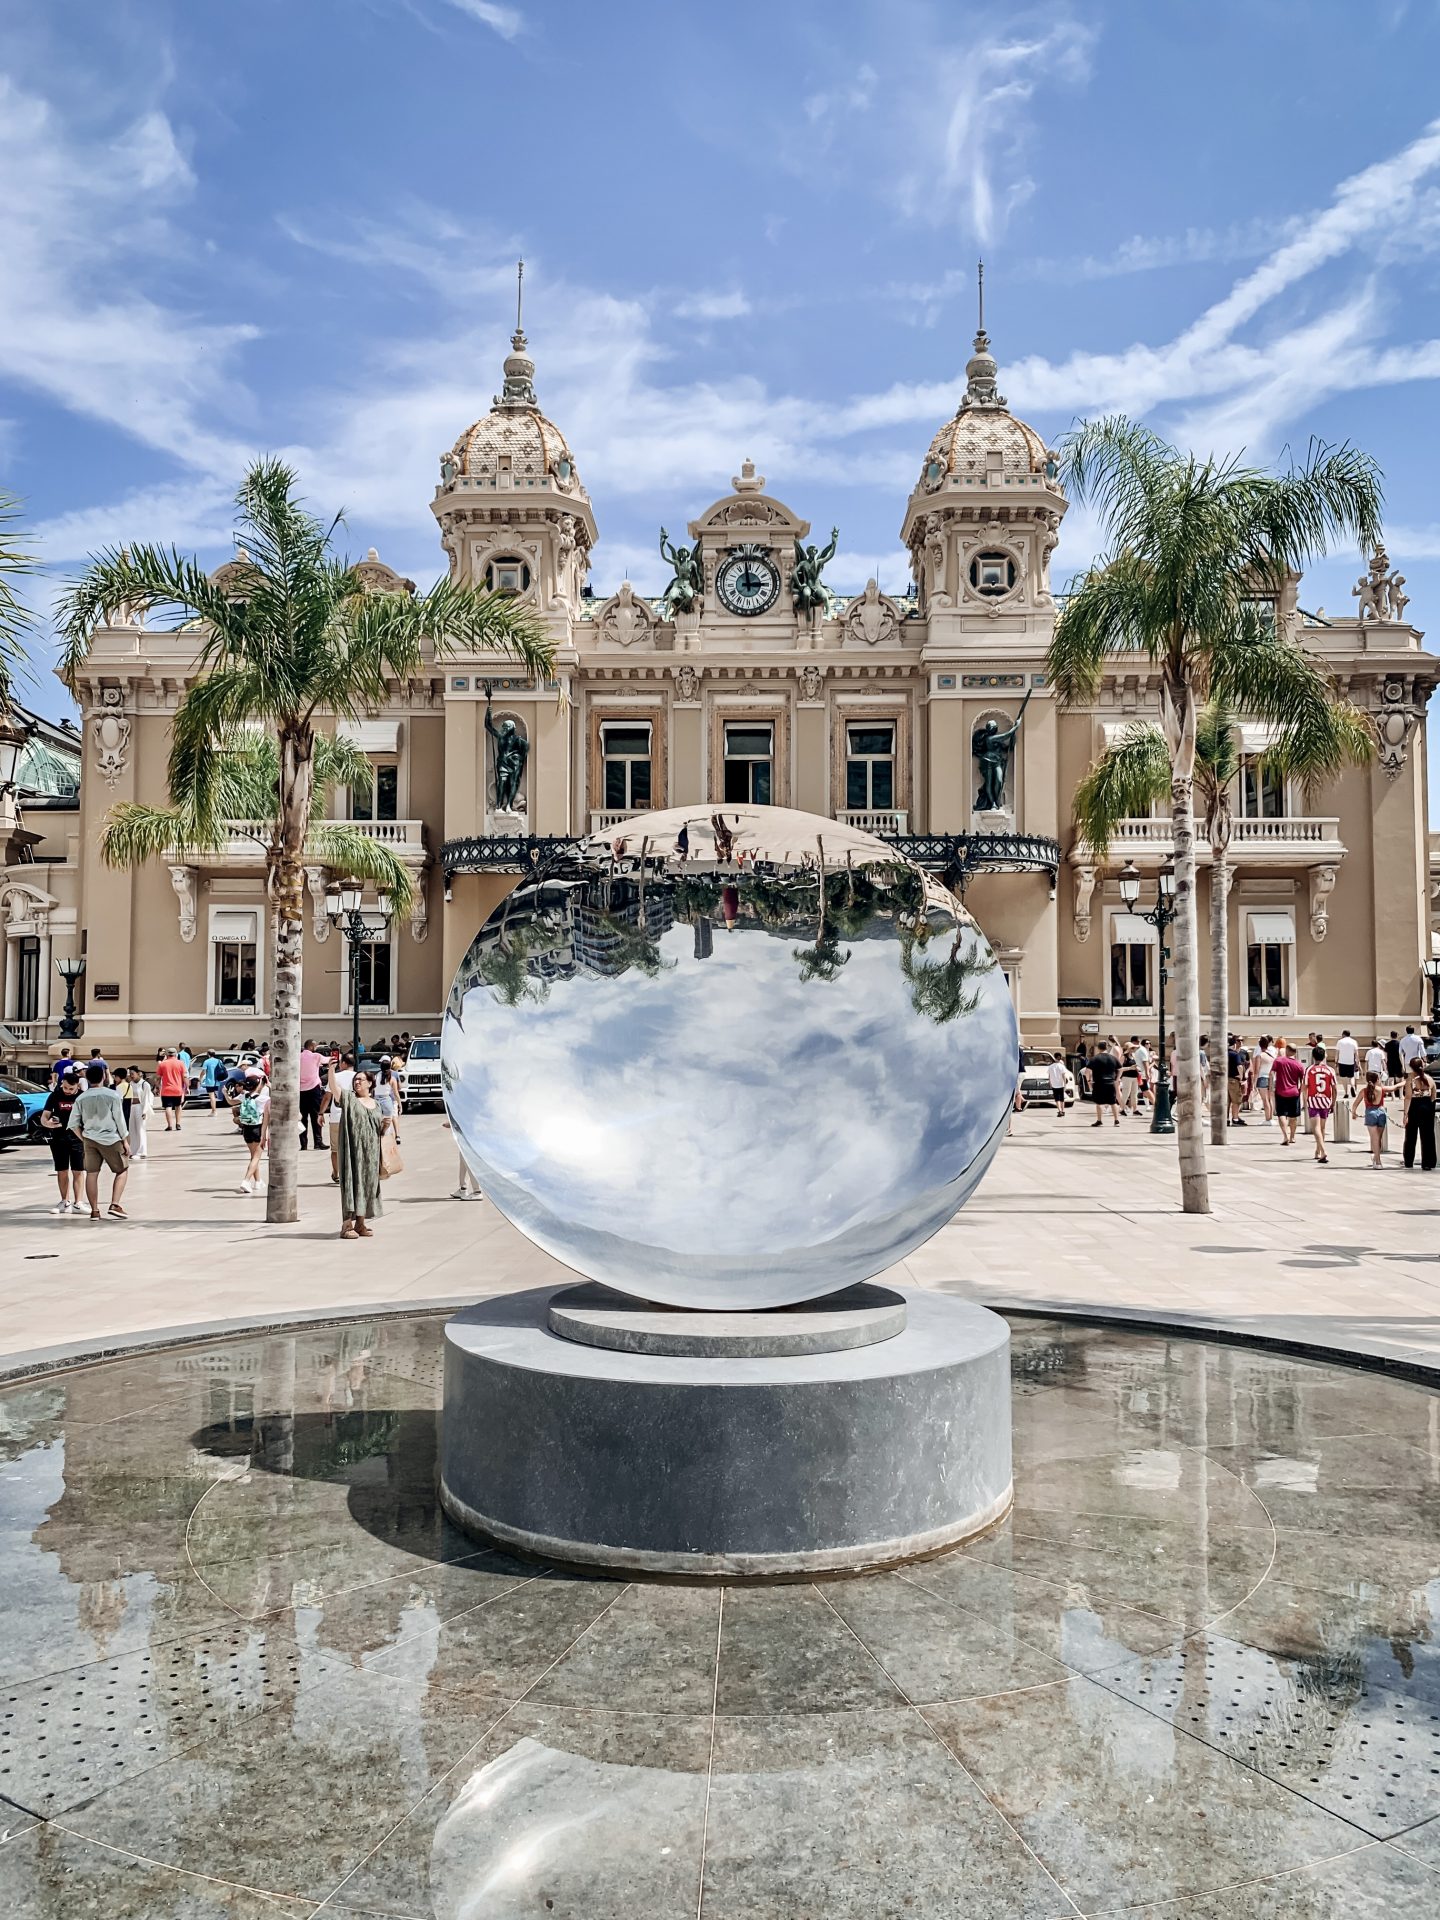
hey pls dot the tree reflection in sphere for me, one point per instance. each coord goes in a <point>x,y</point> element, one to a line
<point>729,1065</point>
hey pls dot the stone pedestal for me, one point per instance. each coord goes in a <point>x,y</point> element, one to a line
<point>716,1464</point>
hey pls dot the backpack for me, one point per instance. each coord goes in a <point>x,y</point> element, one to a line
<point>249,1110</point>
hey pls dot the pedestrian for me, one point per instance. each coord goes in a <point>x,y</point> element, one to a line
<point>174,1083</point>
<point>67,1149</point>
<point>1142,1062</point>
<point>1371,1098</point>
<point>182,1054</point>
<point>1288,1076</point>
<point>312,1095</point>
<point>1394,1060</point>
<point>1420,1117</point>
<point>98,1118</point>
<point>1055,1074</point>
<point>1321,1086</point>
<point>1234,1081</point>
<point>387,1095</point>
<point>357,1132</point>
<point>252,1116</point>
<point>1129,1083</point>
<point>97,1059</point>
<point>337,1084</point>
<point>1347,1060</point>
<point>142,1099</point>
<point>1264,1070</point>
<point>1412,1048</point>
<point>64,1063</point>
<point>1375,1057</point>
<point>212,1077</point>
<point>1104,1074</point>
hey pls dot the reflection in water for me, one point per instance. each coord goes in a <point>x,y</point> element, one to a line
<point>538,1829</point>
<point>730,1081</point>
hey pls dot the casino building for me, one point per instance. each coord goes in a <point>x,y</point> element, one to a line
<point>746,681</point>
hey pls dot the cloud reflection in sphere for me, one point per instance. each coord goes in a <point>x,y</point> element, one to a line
<point>686,1079</point>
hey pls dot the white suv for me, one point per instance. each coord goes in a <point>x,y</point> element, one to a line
<point>422,1072</point>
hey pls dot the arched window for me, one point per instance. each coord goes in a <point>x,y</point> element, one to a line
<point>507,573</point>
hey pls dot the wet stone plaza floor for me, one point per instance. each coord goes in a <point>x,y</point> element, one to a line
<point>247,1668</point>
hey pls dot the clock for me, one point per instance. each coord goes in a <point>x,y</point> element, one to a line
<point>748,581</point>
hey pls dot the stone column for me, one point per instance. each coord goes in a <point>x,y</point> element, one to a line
<point>12,978</point>
<point>42,991</point>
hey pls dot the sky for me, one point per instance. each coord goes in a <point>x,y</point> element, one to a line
<point>291,226</point>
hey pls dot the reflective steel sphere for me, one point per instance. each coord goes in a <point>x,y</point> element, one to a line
<point>729,1061</point>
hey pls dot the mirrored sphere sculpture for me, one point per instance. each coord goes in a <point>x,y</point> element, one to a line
<point>736,1060</point>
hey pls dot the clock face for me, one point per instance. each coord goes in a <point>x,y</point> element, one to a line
<point>748,581</point>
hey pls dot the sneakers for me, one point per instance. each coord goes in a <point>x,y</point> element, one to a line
<point>64,1207</point>
<point>249,1186</point>
<point>465,1193</point>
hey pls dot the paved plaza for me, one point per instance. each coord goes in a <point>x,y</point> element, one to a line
<point>1068,1218</point>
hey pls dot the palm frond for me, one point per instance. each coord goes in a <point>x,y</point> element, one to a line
<point>16,618</point>
<point>131,834</point>
<point>1126,781</point>
<point>143,577</point>
<point>355,856</point>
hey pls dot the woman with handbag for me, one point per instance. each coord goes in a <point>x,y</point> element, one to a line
<point>358,1127</point>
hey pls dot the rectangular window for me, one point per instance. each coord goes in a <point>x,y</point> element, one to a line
<point>625,753</point>
<point>234,973</point>
<point>373,965</point>
<point>1262,791</point>
<point>27,1003</point>
<point>1129,975</point>
<point>749,755</point>
<point>1268,972</point>
<point>870,767</point>
<point>382,801</point>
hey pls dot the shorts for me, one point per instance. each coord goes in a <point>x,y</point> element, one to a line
<point>1320,1110</point>
<point>1263,1082</point>
<point>67,1150</point>
<point>113,1154</point>
<point>1287,1106</point>
<point>1346,1073</point>
<point>251,1135</point>
<point>1104,1096</point>
<point>1376,1117</point>
<point>172,1099</point>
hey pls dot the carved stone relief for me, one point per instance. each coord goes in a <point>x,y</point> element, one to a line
<point>111,734</point>
<point>626,618</point>
<point>1380,592</point>
<point>871,617</point>
<point>687,683</point>
<point>419,912</point>
<point>811,682</point>
<point>315,879</point>
<point>1322,885</point>
<point>182,879</point>
<point>1085,878</point>
<point>1395,721</point>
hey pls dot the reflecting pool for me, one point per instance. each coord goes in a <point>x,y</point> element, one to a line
<point>246,1665</point>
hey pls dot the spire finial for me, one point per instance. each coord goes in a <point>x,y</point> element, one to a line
<point>519,387</point>
<point>980,277</point>
<point>519,292</point>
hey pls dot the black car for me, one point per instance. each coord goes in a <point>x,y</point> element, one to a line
<point>14,1123</point>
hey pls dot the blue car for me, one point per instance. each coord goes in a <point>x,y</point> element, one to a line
<point>31,1098</point>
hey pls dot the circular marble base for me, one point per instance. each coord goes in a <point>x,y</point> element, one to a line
<point>722,1466</point>
<point>596,1316</point>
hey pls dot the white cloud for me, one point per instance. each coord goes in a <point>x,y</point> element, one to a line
<point>508,22</point>
<point>852,96</point>
<point>1148,253</point>
<point>713,306</point>
<point>964,113</point>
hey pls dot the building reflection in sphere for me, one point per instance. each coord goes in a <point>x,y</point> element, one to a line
<point>732,1064</point>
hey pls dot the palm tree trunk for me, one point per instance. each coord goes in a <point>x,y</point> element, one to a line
<point>1219,987</point>
<point>297,786</point>
<point>1178,716</point>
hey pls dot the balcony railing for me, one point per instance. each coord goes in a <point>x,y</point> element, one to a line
<point>249,838</point>
<point>1285,834</point>
<point>603,820</point>
<point>885,820</point>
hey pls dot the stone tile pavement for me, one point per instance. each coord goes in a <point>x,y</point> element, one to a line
<point>1068,1219</point>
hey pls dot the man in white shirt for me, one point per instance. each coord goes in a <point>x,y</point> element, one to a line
<point>1347,1055</point>
<point>1056,1075</point>
<point>1375,1059</point>
<point>341,1079</point>
<point>1412,1048</point>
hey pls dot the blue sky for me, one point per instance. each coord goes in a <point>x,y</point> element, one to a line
<point>748,230</point>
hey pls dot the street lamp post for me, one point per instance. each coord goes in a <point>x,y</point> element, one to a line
<point>1432,1038</point>
<point>70,972</point>
<point>1159,916</point>
<point>342,909</point>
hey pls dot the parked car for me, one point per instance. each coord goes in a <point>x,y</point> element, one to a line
<point>422,1083</point>
<point>1035,1079</point>
<point>31,1098</point>
<point>14,1121</point>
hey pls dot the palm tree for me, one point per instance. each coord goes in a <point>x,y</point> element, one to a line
<point>1134,774</point>
<point>1193,544</point>
<point>287,634</point>
<point>940,990</point>
<point>16,619</point>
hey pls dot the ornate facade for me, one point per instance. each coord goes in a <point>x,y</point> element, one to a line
<point>749,679</point>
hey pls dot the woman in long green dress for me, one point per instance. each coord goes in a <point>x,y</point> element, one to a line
<point>360,1127</point>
